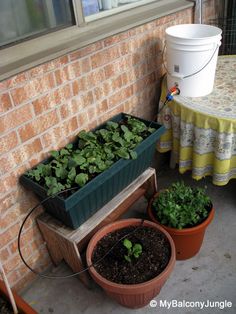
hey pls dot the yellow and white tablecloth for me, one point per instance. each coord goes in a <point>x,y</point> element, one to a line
<point>201,132</point>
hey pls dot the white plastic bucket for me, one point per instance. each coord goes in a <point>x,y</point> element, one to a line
<point>191,55</point>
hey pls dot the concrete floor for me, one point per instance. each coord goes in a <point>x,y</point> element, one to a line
<point>211,275</point>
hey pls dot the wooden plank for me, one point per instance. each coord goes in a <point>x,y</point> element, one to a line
<point>97,218</point>
<point>121,209</point>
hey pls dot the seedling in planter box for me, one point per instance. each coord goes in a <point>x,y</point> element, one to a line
<point>133,250</point>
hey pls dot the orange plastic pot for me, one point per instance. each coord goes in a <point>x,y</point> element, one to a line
<point>135,295</point>
<point>22,306</point>
<point>188,241</point>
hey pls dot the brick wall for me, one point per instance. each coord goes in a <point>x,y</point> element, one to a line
<point>44,108</point>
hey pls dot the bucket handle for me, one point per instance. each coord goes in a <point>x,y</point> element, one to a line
<point>189,75</point>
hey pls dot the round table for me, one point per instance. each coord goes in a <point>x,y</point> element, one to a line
<point>201,132</point>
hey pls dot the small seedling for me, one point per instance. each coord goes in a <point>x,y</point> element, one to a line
<point>132,250</point>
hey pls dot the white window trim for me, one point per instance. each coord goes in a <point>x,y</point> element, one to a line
<point>28,54</point>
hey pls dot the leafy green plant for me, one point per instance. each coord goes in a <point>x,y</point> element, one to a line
<point>181,206</point>
<point>133,250</point>
<point>95,151</point>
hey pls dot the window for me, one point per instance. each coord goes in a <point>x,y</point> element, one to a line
<point>22,19</point>
<point>33,32</point>
<point>25,19</point>
<point>95,9</point>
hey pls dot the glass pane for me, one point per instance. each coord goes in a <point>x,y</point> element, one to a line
<point>91,7</point>
<point>20,19</point>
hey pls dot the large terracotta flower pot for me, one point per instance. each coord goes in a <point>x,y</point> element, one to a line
<point>188,241</point>
<point>22,306</point>
<point>133,295</point>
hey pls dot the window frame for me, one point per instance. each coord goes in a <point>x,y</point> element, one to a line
<point>36,51</point>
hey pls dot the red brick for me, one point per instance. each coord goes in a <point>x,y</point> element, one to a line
<point>70,126</point>
<point>9,219</point>
<point>3,86</point>
<point>52,137</point>
<point>116,83</point>
<point>7,201</point>
<point>44,103</point>
<point>115,39</point>
<point>102,91</point>
<point>4,254</point>
<point>102,107</point>
<point>70,108</point>
<point>125,48</point>
<point>6,164</point>
<point>95,78</point>
<point>120,96</point>
<point>12,263</point>
<point>5,102</point>
<point>86,51</point>
<point>15,118</point>
<point>62,75</point>
<point>79,85</point>
<point>87,99</point>
<point>92,113</point>
<point>33,88</point>
<point>8,141</point>
<point>85,65</point>
<point>92,125</point>
<point>43,84</point>
<point>13,277</point>
<point>82,119</point>
<point>110,70</point>
<point>16,80</point>
<point>7,183</point>
<point>49,66</point>
<point>20,95</point>
<point>105,56</point>
<point>62,93</point>
<point>9,234</point>
<point>24,280</point>
<point>74,70</point>
<point>37,126</point>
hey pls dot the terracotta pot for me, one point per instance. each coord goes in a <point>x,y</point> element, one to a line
<point>135,295</point>
<point>22,306</point>
<point>188,241</point>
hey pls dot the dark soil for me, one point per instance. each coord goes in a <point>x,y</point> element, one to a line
<point>153,260</point>
<point>5,307</point>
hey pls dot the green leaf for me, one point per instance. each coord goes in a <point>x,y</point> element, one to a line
<point>151,130</point>
<point>137,250</point>
<point>116,138</point>
<point>127,243</point>
<point>112,125</point>
<point>54,154</point>
<point>122,152</point>
<point>61,172</point>
<point>79,160</point>
<point>127,258</point>
<point>81,179</point>
<point>64,152</point>
<point>72,174</point>
<point>69,146</point>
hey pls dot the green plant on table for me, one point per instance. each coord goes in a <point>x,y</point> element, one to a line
<point>133,250</point>
<point>95,151</point>
<point>181,206</point>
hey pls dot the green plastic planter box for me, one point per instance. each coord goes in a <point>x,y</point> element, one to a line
<point>82,204</point>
